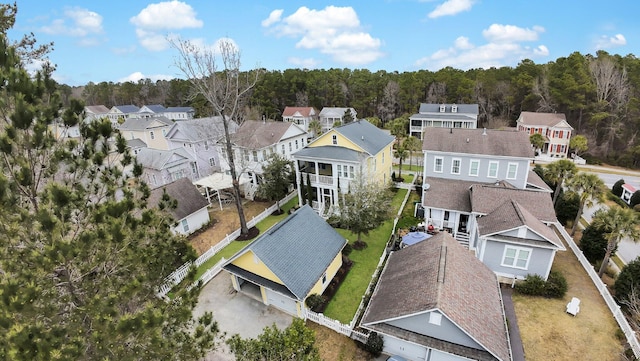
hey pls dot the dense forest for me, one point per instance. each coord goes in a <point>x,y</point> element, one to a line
<point>599,94</point>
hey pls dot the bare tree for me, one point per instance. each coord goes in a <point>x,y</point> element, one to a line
<point>224,88</point>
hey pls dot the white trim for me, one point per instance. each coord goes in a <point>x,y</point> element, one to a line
<point>435,164</point>
<point>515,172</point>
<point>471,162</point>
<point>489,169</point>
<point>453,162</point>
<point>516,257</point>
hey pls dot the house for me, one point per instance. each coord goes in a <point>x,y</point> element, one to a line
<point>443,116</point>
<point>479,187</point>
<point>337,157</point>
<point>152,131</point>
<point>119,113</point>
<point>255,141</point>
<point>554,128</point>
<point>191,211</point>
<point>179,113</point>
<point>301,116</point>
<point>160,167</point>
<point>148,111</point>
<point>293,260</point>
<point>95,112</point>
<point>331,116</point>
<point>135,145</point>
<point>199,137</point>
<point>435,301</point>
<point>158,110</point>
<point>627,192</point>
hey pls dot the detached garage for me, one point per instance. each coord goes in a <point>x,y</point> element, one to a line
<point>294,259</point>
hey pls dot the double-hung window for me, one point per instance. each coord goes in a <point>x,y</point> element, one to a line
<point>474,167</point>
<point>516,257</point>
<point>512,170</point>
<point>493,170</point>
<point>438,164</point>
<point>455,166</point>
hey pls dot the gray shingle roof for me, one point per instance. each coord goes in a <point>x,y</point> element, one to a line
<point>485,198</point>
<point>366,135</point>
<point>298,250</point>
<point>179,109</point>
<point>143,123</point>
<point>253,134</point>
<point>136,143</point>
<point>442,116</point>
<point>96,109</point>
<point>542,119</point>
<point>534,179</point>
<point>441,274</point>
<point>200,129</point>
<point>331,152</point>
<point>506,143</point>
<point>182,190</point>
<point>511,215</point>
<point>448,194</point>
<point>161,159</point>
<point>156,108</point>
<point>435,108</point>
<point>127,109</point>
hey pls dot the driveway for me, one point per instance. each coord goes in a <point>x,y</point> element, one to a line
<point>236,313</point>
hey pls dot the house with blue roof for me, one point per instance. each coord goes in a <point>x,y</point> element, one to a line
<point>443,116</point>
<point>293,260</point>
<point>334,159</point>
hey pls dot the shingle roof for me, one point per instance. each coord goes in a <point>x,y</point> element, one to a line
<point>127,109</point>
<point>485,198</point>
<point>447,194</point>
<point>511,215</point>
<point>542,119</point>
<point>96,109</point>
<point>507,143</point>
<point>534,179</point>
<point>441,274</point>
<point>435,108</point>
<point>161,159</point>
<point>199,129</point>
<point>366,135</point>
<point>179,109</point>
<point>298,250</point>
<point>156,108</point>
<point>253,134</point>
<point>335,112</point>
<point>331,152</point>
<point>136,143</point>
<point>304,111</point>
<point>143,123</point>
<point>443,116</point>
<point>185,193</point>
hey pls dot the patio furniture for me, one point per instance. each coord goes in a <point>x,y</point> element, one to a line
<point>573,307</point>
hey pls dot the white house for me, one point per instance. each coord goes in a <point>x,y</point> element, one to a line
<point>301,116</point>
<point>443,116</point>
<point>330,116</point>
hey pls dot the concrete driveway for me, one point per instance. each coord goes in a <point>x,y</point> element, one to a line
<point>236,313</point>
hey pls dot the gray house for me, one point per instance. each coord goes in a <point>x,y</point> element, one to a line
<point>191,212</point>
<point>160,167</point>
<point>443,116</point>
<point>435,301</point>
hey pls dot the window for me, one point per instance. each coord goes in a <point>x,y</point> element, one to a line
<point>152,135</point>
<point>383,158</point>
<point>516,257</point>
<point>290,149</point>
<point>493,170</point>
<point>435,318</point>
<point>302,142</point>
<point>245,152</point>
<point>155,180</point>
<point>264,154</point>
<point>474,168</point>
<point>185,225</point>
<point>296,144</point>
<point>352,173</point>
<point>512,170</point>
<point>437,165</point>
<point>455,166</point>
<point>283,149</point>
<point>164,132</point>
<point>334,139</point>
<point>255,155</point>
<point>212,161</point>
<point>206,145</point>
<point>194,169</point>
<point>339,171</point>
<point>324,278</point>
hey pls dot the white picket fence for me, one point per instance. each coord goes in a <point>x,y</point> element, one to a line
<point>335,325</point>
<point>629,333</point>
<point>179,274</point>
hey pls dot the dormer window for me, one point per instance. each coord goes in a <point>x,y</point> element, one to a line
<point>442,107</point>
<point>454,108</point>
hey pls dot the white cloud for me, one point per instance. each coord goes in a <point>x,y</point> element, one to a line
<point>124,51</point>
<point>505,46</point>
<point>307,63</point>
<point>77,22</point>
<point>273,18</point>
<point>606,42</point>
<point>335,31</point>
<point>152,20</point>
<point>136,76</point>
<point>451,7</point>
<point>498,33</point>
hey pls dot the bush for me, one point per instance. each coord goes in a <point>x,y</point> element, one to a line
<point>347,249</point>
<point>374,344</point>
<point>593,243</point>
<point>315,301</point>
<point>635,199</point>
<point>617,188</point>
<point>567,207</point>
<point>555,286</point>
<point>612,197</point>
<point>628,279</point>
<point>393,176</point>
<point>533,285</point>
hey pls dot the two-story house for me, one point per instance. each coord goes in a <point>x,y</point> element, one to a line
<point>158,110</point>
<point>340,155</point>
<point>254,142</point>
<point>95,112</point>
<point>160,167</point>
<point>479,187</point>
<point>330,116</point>
<point>301,116</point>
<point>554,128</point>
<point>443,116</point>
<point>119,113</point>
<point>152,131</point>
<point>199,137</point>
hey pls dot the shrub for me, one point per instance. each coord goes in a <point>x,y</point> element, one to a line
<point>628,279</point>
<point>315,301</point>
<point>393,176</point>
<point>374,344</point>
<point>612,197</point>
<point>636,208</point>
<point>334,221</point>
<point>533,285</point>
<point>593,243</point>
<point>617,188</point>
<point>556,286</point>
<point>567,207</point>
<point>347,249</point>
<point>635,199</point>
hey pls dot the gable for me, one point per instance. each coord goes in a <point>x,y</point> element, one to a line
<point>186,195</point>
<point>251,262</point>
<point>326,139</point>
<point>293,131</point>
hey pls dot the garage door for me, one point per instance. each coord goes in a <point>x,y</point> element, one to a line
<point>282,302</point>
<point>410,351</point>
<point>443,356</point>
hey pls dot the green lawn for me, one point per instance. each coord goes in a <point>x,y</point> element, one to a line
<point>413,167</point>
<point>345,302</point>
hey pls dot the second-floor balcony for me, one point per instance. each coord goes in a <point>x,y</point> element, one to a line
<point>321,179</point>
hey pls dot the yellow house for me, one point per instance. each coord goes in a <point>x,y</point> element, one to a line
<point>152,131</point>
<point>293,260</point>
<point>337,157</point>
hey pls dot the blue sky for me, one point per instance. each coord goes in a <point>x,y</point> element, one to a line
<point>120,40</point>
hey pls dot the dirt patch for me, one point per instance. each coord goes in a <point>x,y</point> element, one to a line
<point>224,222</point>
<point>336,347</point>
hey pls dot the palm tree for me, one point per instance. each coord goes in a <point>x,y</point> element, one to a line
<point>412,144</point>
<point>590,188</point>
<point>559,171</point>
<point>537,140</point>
<point>618,223</point>
<point>401,153</point>
<point>315,128</point>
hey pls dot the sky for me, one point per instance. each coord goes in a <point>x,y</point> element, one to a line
<point>118,41</point>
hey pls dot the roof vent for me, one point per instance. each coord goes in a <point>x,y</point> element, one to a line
<point>467,140</point>
<point>363,137</point>
<point>484,131</point>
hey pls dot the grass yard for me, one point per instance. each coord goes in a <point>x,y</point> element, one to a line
<point>549,333</point>
<point>413,167</point>
<point>345,302</point>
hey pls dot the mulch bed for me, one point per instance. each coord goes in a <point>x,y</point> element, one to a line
<point>253,233</point>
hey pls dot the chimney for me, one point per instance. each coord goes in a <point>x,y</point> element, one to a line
<point>484,131</point>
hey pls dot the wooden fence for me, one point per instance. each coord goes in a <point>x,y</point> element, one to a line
<point>629,333</point>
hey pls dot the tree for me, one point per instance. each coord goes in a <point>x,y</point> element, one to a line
<point>617,188</point>
<point>399,128</point>
<point>412,144</point>
<point>537,140</point>
<point>225,90</point>
<point>567,207</point>
<point>276,178</point>
<point>558,172</point>
<point>627,283</point>
<point>315,128</point>
<point>347,117</point>
<point>593,243</point>
<point>617,223</point>
<point>401,153</point>
<point>590,188</point>
<point>364,207</point>
<point>296,343</point>
<point>579,144</point>
<point>81,255</point>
